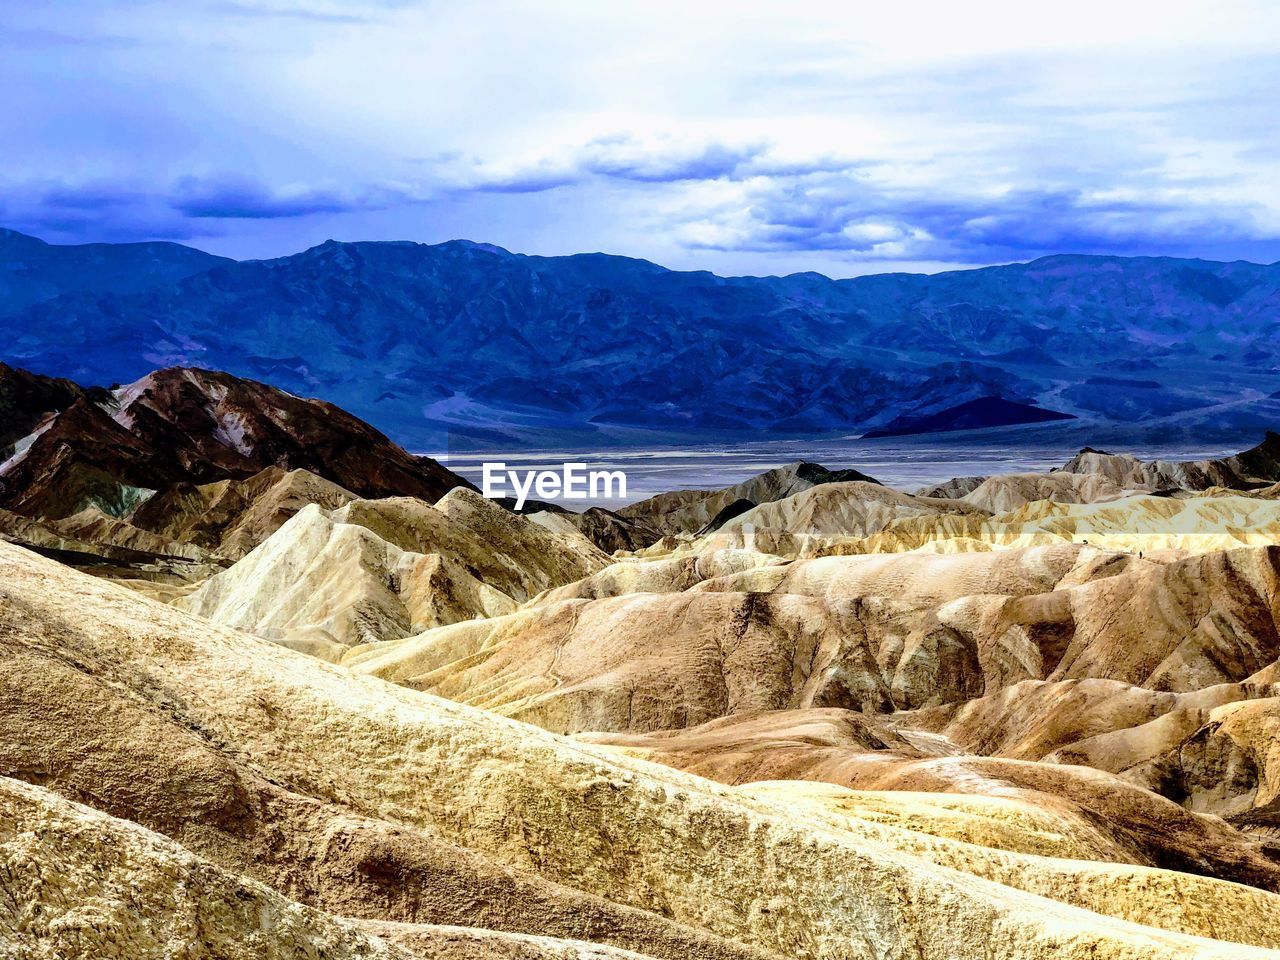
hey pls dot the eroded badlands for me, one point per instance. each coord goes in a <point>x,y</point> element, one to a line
<point>262,708</point>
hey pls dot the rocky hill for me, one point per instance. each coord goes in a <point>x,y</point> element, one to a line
<point>183,468</point>
<point>112,450</point>
<point>250,801</point>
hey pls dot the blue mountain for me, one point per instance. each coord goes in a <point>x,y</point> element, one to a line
<point>32,270</point>
<point>462,343</point>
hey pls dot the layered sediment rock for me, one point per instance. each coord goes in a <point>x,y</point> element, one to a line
<point>376,570</point>
<point>687,511</point>
<point>941,725</point>
<point>301,774</point>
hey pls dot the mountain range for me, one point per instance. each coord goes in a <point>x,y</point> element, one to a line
<point>463,344</point>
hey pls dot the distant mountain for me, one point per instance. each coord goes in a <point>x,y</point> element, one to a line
<point>32,270</point>
<point>971,415</point>
<point>462,344</point>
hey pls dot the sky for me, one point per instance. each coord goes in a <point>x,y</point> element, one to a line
<point>740,137</point>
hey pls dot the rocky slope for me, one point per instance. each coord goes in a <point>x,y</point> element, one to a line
<point>1011,491</point>
<point>27,400</point>
<point>374,570</point>
<point>1016,510</point>
<point>218,426</point>
<point>1256,467</point>
<point>80,883</point>
<point>188,464</point>
<point>358,798</point>
<point>875,634</point>
<point>691,511</point>
<point>1122,686</point>
<point>198,426</point>
<point>807,715</point>
<point>231,517</point>
<point>906,776</point>
<point>609,531</point>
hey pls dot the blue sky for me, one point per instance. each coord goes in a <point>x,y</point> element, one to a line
<point>738,137</point>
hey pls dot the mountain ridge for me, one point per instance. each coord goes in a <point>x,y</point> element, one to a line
<point>460,344</point>
<point>62,268</point>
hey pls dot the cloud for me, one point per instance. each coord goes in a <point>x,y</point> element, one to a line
<point>13,34</point>
<point>852,215</point>
<point>620,157</point>
<point>758,136</point>
<point>1043,180</point>
<point>97,210</point>
<point>192,207</point>
<point>724,204</point>
<point>536,177</point>
<point>240,198</point>
<point>349,12</point>
<point>625,158</point>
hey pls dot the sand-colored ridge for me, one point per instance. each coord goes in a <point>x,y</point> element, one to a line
<point>847,509</point>
<point>1008,511</point>
<point>384,569</point>
<point>1006,492</point>
<point>78,883</point>
<point>1198,906</point>
<point>442,942</point>
<point>688,511</point>
<point>609,531</point>
<point>899,631</point>
<point>1045,809</point>
<point>231,517</point>
<point>1023,716</point>
<point>664,575</point>
<point>742,868</point>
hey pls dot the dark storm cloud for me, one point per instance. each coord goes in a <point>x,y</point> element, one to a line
<point>241,198</point>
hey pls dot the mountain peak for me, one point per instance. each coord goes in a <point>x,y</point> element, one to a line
<point>12,240</point>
